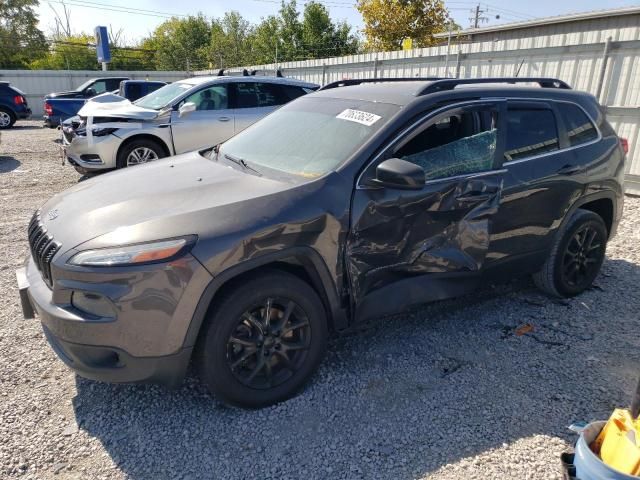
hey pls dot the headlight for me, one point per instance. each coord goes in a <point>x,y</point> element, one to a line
<point>133,254</point>
<point>101,132</point>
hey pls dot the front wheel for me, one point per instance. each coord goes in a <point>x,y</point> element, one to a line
<point>138,152</point>
<point>576,256</point>
<point>263,341</point>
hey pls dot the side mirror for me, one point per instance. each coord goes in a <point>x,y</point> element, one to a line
<point>397,173</point>
<point>90,92</point>
<point>186,109</point>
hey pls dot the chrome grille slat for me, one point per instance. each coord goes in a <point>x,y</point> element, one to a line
<point>43,247</point>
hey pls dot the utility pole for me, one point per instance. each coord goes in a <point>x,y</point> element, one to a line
<point>478,16</point>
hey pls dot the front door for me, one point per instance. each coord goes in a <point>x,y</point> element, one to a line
<point>412,246</point>
<point>213,121</point>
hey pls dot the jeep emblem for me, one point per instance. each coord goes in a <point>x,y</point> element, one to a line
<point>53,214</point>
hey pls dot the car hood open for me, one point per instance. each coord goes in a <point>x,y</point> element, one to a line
<point>182,195</point>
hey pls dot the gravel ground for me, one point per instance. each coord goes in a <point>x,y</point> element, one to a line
<point>445,392</point>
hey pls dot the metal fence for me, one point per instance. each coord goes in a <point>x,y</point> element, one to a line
<point>37,83</point>
<point>608,69</point>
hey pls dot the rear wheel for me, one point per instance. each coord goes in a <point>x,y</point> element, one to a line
<point>576,257</point>
<point>138,152</point>
<point>7,118</point>
<point>263,341</point>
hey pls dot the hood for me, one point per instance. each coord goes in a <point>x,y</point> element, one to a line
<point>69,94</point>
<point>176,196</point>
<point>117,109</point>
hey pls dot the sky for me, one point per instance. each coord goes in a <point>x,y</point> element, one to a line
<point>142,16</point>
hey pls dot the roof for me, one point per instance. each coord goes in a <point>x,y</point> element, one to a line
<point>402,93</point>
<point>200,80</point>
<point>573,17</point>
<point>396,93</point>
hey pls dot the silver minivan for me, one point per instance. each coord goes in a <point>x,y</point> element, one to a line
<point>180,117</point>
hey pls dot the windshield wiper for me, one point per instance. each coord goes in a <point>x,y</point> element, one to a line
<point>242,162</point>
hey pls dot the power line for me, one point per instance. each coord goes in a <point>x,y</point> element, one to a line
<point>115,8</point>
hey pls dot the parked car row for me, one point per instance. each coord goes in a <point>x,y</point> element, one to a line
<point>187,115</point>
<point>345,204</point>
<point>60,107</point>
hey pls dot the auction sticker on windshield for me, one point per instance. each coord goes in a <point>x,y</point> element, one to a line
<point>358,116</point>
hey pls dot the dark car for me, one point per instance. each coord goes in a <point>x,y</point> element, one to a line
<point>91,88</point>
<point>344,205</point>
<point>13,105</point>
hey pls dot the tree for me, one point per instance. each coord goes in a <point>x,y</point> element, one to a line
<point>181,43</point>
<point>231,40</point>
<point>290,32</point>
<point>265,40</point>
<point>69,53</point>
<point>388,22</point>
<point>20,39</point>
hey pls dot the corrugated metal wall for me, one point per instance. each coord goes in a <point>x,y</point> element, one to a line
<point>37,83</point>
<point>572,52</point>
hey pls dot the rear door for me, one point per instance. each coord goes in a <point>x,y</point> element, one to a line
<point>254,100</point>
<point>411,246</point>
<point>543,178</point>
<point>211,123</point>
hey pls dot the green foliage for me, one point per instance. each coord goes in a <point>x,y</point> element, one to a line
<point>69,53</point>
<point>20,39</point>
<point>191,43</point>
<point>181,44</point>
<point>388,22</point>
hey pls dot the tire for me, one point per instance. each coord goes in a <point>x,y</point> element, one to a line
<point>7,118</point>
<point>141,145</point>
<point>572,267</point>
<point>250,370</point>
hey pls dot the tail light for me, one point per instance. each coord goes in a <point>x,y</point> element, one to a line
<point>48,109</point>
<point>624,143</point>
<point>19,100</point>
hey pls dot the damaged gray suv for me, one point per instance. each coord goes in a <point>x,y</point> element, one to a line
<point>345,205</point>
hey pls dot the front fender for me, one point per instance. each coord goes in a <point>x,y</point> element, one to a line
<point>311,261</point>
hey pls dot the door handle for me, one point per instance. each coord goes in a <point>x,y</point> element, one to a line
<point>223,119</point>
<point>570,170</point>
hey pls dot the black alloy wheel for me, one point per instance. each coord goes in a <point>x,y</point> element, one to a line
<point>269,344</point>
<point>263,339</point>
<point>576,256</point>
<point>583,257</point>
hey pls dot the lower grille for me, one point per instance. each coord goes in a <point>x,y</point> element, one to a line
<point>43,247</point>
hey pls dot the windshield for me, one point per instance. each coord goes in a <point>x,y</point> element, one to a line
<point>85,85</point>
<point>164,96</point>
<point>309,136</point>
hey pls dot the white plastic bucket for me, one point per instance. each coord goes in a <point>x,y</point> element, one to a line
<point>588,465</point>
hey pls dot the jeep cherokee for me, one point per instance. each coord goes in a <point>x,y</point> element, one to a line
<point>345,205</point>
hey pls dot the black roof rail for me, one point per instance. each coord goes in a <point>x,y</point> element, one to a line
<point>358,81</point>
<point>450,83</point>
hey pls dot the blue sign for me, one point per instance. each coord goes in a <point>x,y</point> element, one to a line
<point>102,44</point>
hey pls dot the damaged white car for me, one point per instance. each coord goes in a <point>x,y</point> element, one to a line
<point>181,117</point>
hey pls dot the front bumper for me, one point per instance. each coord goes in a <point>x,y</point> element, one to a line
<point>99,154</point>
<point>145,341</point>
